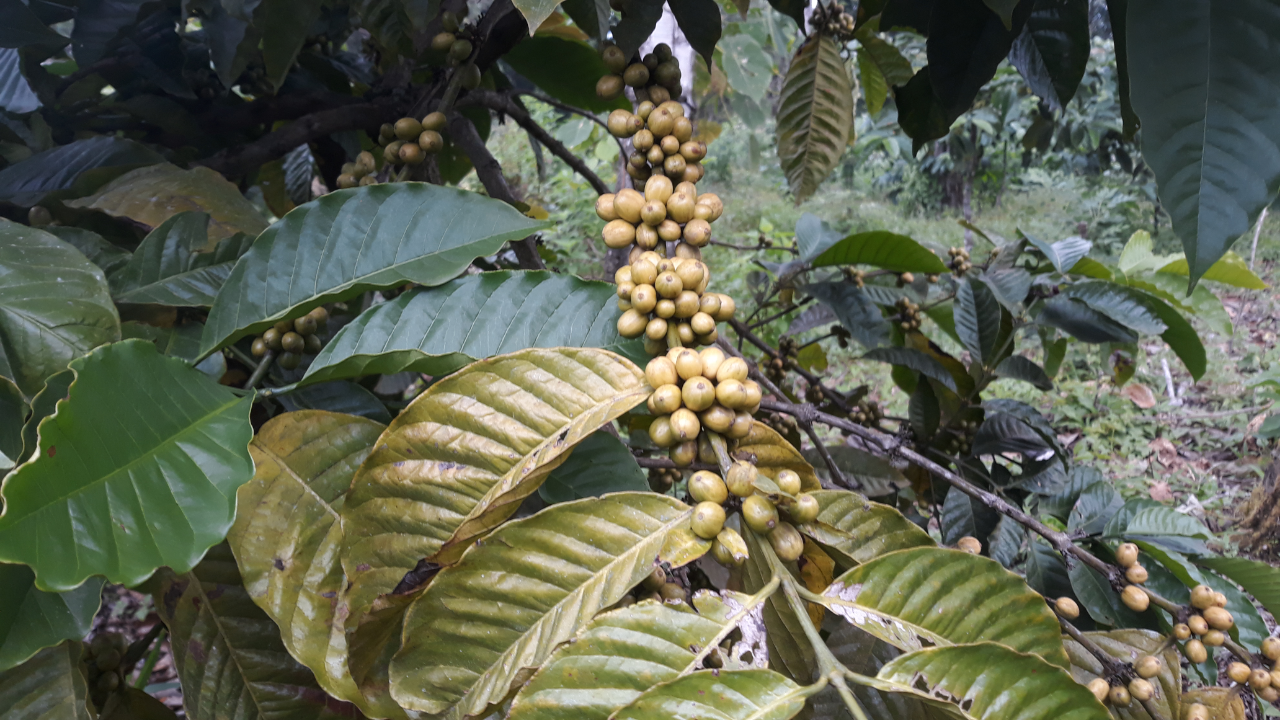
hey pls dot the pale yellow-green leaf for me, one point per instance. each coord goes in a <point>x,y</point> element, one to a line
<point>485,625</point>
<point>463,455</point>
<point>855,530</point>
<point>1128,646</point>
<point>1230,269</point>
<point>49,686</point>
<point>789,650</point>
<point>771,452</point>
<point>1223,703</point>
<point>720,695</point>
<point>152,194</point>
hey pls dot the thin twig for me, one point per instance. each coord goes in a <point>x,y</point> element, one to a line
<point>622,149</point>
<point>261,371</point>
<point>665,463</point>
<point>775,316</point>
<point>813,380</point>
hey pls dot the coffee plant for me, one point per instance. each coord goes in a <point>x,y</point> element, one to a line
<point>371,458</point>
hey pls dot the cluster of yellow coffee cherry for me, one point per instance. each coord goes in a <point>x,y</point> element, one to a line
<point>959,261</point>
<point>662,298</point>
<point>661,479</point>
<point>103,657</point>
<point>909,315</point>
<point>1266,683</point>
<point>695,390</point>
<point>833,20</point>
<point>1133,596</point>
<point>759,511</point>
<point>1208,627</point>
<point>292,338</point>
<point>653,78</point>
<point>359,173</point>
<point>410,141</point>
<point>455,42</point>
<point>1140,688</point>
<point>662,144</point>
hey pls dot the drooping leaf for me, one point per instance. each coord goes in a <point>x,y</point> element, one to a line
<point>813,235</point>
<point>592,16</point>
<point>1195,79</point>
<point>876,475</point>
<point>884,250</point>
<point>565,69</point>
<point>464,454</point>
<point>285,24</point>
<point>1119,303</point>
<point>992,682</point>
<point>967,42</point>
<point>98,22</point>
<point>815,113</point>
<point>54,306</point>
<point>855,530</point>
<point>525,600</point>
<point>1010,285</point>
<point>983,325</point>
<point>1099,600</point>
<point>1094,509</point>
<point>31,619</point>
<point>50,685</point>
<point>228,653</point>
<point>1017,367</point>
<point>1230,269</point>
<point>916,360</point>
<point>855,310</point>
<point>871,83</point>
<point>287,538</point>
<point>1064,254</point>
<point>599,465</point>
<point>1052,51</point>
<point>623,653</point>
<point>1046,570</point>
<point>125,479</point>
<point>729,694</point>
<point>151,195</point>
<point>637,25</point>
<point>938,596</point>
<point>13,413</point>
<point>699,20</point>
<point>1128,646</point>
<point>175,264</point>
<point>355,240</point>
<point>965,516</point>
<point>895,68</point>
<point>1083,322</point>
<point>438,330</point>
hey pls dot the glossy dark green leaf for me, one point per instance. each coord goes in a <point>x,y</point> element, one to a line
<point>599,465</point>
<point>174,265</point>
<point>967,42</point>
<point>16,95</point>
<point>1098,599</point>
<point>54,306</point>
<point>42,406</point>
<point>793,9</point>
<point>884,250</point>
<point>338,396</point>
<point>964,516</point>
<point>1195,77</point>
<point>355,240</point>
<point>895,68</point>
<point>23,27</point>
<point>1005,542</point>
<point>1094,509</point>
<point>438,330</point>
<point>1124,305</point>
<point>699,20</point>
<point>1259,579</point>
<point>814,116</point>
<point>1063,254</point>
<point>27,182</point>
<point>1046,571</point>
<point>565,69</point>
<point>13,413</point>
<point>855,530</point>
<point>865,654</point>
<point>1017,367</point>
<point>1118,16</point>
<point>285,26</point>
<point>1002,432</point>
<point>855,310</point>
<point>983,325</point>
<point>592,16</point>
<point>31,619</point>
<point>637,25</point>
<point>814,236</point>
<point>1181,337</point>
<point>125,479</point>
<point>1079,478</point>
<point>99,250</point>
<point>1052,52</point>
<point>915,360</point>
<point>1083,322</point>
<point>97,24</point>
<point>1010,285</point>
<point>923,411</point>
<point>50,685</point>
<point>723,695</point>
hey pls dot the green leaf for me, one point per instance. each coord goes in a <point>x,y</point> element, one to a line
<point>699,20</point>
<point>16,95</point>
<point>593,16</point>
<point>637,25</point>
<point>1128,646</point>
<point>923,411</point>
<point>965,516</point>
<point>599,464</point>
<point>1064,254</point>
<point>1083,322</point>
<point>855,530</point>
<point>464,454</point>
<point>855,310</point>
<point>565,69</point>
<point>916,360</point>
<point>228,653</point>
<point>288,535</point>
<point>1196,76</point>
<point>1249,627</point>
<point>1125,306</point>
<point>875,475</point>
<point>788,648</point>
<point>865,654</point>
<point>42,406</point>
<point>355,240</point>
<point>1010,285</point>
<point>1052,52</point>
<point>623,653</point>
<point>748,68</point>
<point>1118,17</point>
<point>174,265</point>
<point>180,341</point>
<point>1094,509</point>
<point>98,22</point>
<point>815,114</point>
<point>871,83</point>
<point>1230,269</point>
<point>50,685</point>
<point>1173,290</point>
<point>285,25</point>
<point>1153,522</point>
<point>1017,367</point>
<point>151,195</point>
<point>983,325</point>
<point>935,596</point>
<point>813,235</point>
<point>721,695</point>
<point>23,27</point>
<point>1260,580</point>
<point>1046,571</point>
<point>13,412</point>
<point>1180,336</point>
<point>882,249</point>
<point>992,682</point>
<point>54,306</point>
<point>31,619</point>
<point>100,252</point>
<point>536,12</point>
<point>895,68</point>
<point>531,586</point>
<point>438,330</point>
<point>1099,600</point>
<point>338,396</point>
<point>125,479</point>
<point>1003,9</point>
<point>1089,267</point>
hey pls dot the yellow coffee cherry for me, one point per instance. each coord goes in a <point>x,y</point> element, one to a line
<point>666,399</point>
<point>346,181</point>
<point>683,453</point>
<point>734,368</point>
<point>664,308</point>
<point>711,359</point>
<point>1140,689</point>
<point>1181,631</point>
<point>668,285</point>
<point>653,213</point>
<point>636,75</point>
<point>407,129</point>
<point>706,486</point>
<point>788,481</point>
<point>692,273</point>
<point>805,509</point>
<point>1198,625</point>
<point>713,202</point>
<point>632,324</point>
<point>1197,712</point>
<point>786,542</point>
<point>644,272</point>
<point>701,323</point>
<point>431,142</point>
<point>618,233</point>
<point>1136,574</point>
<point>969,544</point>
<point>1201,597</point>
<point>1218,619</point>
<point>657,189</point>
<point>656,329</point>
<point>1271,695</point>
<point>1271,648</point>
<point>661,371</point>
<point>686,425</point>
<point>1220,599</point>
<point>717,419</point>
<point>625,289</point>
<point>1119,696</point>
<point>1135,599</point>
<point>698,394</point>
<point>660,122</point>
<point>1148,666</point>
<point>623,124</point>
<point>682,128</point>
<point>1239,672</point>
<point>686,304</point>
<point>688,364</point>
<point>1100,688</point>
<point>644,298</point>
<point>627,203</point>
<point>727,308</point>
<point>1126,555</point>
<point>1214,638</point>
<point>684,333</point>
<point>741,428</point>
<point>697,232</point>
<point>1259,679</point>
<point>672,592</point>
<point>759,514</point>
<point>434,121</point>
<point>660,432</point>
<point>1067,608</point>
<point>707,520</point>
<point>604,207</point>
<point>741,478</point>
<point>710,304</point>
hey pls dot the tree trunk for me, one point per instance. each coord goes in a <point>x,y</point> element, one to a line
<point>1261,525</point>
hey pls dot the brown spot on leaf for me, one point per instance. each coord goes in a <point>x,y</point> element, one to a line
<point>278,563</point>
<point>363,567</point>
<point>53,450</point>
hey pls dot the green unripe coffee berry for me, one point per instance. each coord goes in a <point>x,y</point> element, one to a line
<point>786,542</point>
<point>407,129</point>
<point>460,50</point>
<point>708,520</point>
<point>614,58</point>
<point>443,42</point>
<point>313,344</point>
<point>759,514</point>
<point>434,121</point>
<point>259,348</point>
<point>271,337</point>
<point>289,361</point>
<point>636,75</point>
<point>741,478</point>
<point>788,482</point>
<point>706,486</point>
<point>609,87</point>
<point>805,509</point>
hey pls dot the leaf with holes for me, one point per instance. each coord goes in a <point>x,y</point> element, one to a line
<point>31,619</point>
<point>50,685</point>
<point>920,596</point>
<point>228,653</point>
<point>865,654</point>
<point>815,114</point>
<point>355,240</point>
<point>1128,646</point>
<point>855,530</point>
<point>287,538</point>
<point>464,454</point>
<point>770,453</point>
<point>532,585</point>
<point>438,330</point>
<point>623,653</point>
<point>174,265</point>
<point>125,479</point>
<point>788,649</point>
<point>729,694</point>
<point>884,250</point>
<point>987,681</point>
